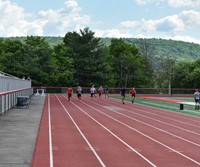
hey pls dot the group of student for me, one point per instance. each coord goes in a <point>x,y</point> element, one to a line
<point>93,92</point>
<point>101,90</point>
<point>132,92</point>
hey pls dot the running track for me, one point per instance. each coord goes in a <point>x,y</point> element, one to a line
<point>105,133</point>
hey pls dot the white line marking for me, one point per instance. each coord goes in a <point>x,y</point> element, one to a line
<point>196,144</point>
<point>187,102</point>
<point>50,135</point>
<point>131,148</point>
<point>196,162</point>
<point>166,117</point>
<point>156,120</point>
<point>170,112</point>
<point>160,105</point>
<point>91,147</point>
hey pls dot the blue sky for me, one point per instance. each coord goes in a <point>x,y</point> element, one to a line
<point>167,19</point>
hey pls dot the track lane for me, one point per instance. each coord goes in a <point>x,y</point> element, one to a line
<point>41,155</point>
<point>111,151</point>
<point>161,124</point>
<point>89,147</point>
<point>107,136</point>
<point>195,153</point>
<point>68,146</point>
<point>171,115</point>
<point>181,123</point>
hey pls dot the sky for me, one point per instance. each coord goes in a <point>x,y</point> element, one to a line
<point>166,19</point>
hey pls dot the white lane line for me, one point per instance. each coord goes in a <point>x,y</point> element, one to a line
<point>166,117</point>
<point>88,143</point>
<point>164,131</point>
<point>193,132</point>
<point>126,144</point>
<point>183,155</point>
<point>189,131</point>
<point>167,106</point>
<point>50,134</point>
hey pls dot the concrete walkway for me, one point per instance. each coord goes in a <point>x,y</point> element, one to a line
<point>18,134</point>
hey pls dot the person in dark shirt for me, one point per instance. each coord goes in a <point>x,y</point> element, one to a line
<point>123,94</point>
<point>106,91</point>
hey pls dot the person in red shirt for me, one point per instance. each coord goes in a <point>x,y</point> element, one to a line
<point>100,91</point>
<point>69,92</point>
<point>133,94</point>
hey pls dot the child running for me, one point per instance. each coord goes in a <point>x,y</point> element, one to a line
<point>123,92</point>
<point>106,91</point>
<point>133,94</point>
<point>69,92</point>
<point>197,98</point>
<point>100,91</point>
<point>92,91</point>
<point>79,92</point>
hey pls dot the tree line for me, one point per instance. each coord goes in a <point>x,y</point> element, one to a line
<point>83,59</point>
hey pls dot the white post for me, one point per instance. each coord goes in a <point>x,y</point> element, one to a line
<point>37,94</point>
<point>43,94</point>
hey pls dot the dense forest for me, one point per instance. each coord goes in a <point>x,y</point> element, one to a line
<point>80,58</point>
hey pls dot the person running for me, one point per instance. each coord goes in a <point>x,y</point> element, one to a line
<point>197,98</point>
<point>123,92</point>
<point>79,92</point>
<point>92,91</point>
<point>106,91</point>
<point>69,92</point>
<point>133,94</point>
<point>100,91</point>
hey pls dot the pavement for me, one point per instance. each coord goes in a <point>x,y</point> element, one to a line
<point>18,134</point>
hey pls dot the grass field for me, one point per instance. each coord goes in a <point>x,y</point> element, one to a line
<point>172,106</point>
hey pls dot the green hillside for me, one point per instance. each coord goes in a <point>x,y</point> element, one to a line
<point>178,49</point>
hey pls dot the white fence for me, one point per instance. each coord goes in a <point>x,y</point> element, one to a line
<point>10,88</point>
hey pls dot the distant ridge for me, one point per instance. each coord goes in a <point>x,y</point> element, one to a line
<point>177,49</point>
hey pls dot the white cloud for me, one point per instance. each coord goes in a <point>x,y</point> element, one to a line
<point>145,2</point>
<point>16,22</point>
<point>73,6</point>
<point>182,3</point>
<point>186,22</point>
<point>141,2</point>
<point>58,22</point>
<point>129,24</point>
<point>173,3</point>
<point>112,33</point>
<point>184,38</point>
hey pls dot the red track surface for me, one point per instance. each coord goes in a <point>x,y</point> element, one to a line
<point>162,99</point>
<point>104,132</point>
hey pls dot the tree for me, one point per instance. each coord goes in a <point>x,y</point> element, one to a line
<point>39,56</point>
<point>88,55</point>
<point>148,51</point>
<point>12,57</point>
<point>182,75</point>
<point>164,71</point>
<point>63,71</point>
<point>126,63</point>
